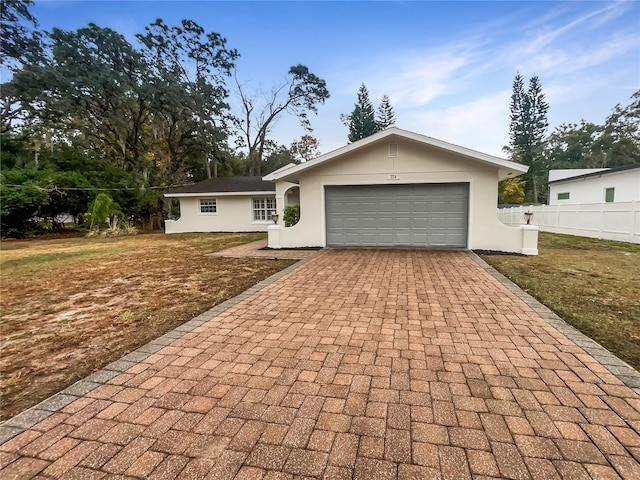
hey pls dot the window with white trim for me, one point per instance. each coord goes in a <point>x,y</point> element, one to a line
<point>208,205</point>
<point>262,208</point>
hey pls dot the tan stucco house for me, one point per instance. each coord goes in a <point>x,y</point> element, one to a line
<point>392,189</point>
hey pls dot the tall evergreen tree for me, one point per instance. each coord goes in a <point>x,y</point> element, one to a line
<point>362,121</point>
<point>385,117</point>
<point>517,131</point>
<point>527,132</point>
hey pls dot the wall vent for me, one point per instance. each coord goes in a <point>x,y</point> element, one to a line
<point>393,149</point>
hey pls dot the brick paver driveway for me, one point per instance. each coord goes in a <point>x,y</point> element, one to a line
<point>368,364</point>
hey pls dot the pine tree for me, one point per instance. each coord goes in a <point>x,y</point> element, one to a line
<point>517,130</point>
<point>362,121</point>
<point>385,117</point>
<point>527,132</point>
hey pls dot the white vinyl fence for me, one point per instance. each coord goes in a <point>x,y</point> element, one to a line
<point>609,221</point>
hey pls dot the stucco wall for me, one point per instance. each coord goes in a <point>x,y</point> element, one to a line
<point>592,189</point>
<point>234,214</point>
<point>415,163</point>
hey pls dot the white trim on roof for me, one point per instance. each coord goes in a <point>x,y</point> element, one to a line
<point>260,193</point>
<point>393,131</point>
<point>269,177</point>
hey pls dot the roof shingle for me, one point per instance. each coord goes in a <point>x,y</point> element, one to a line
<point>228,184</point>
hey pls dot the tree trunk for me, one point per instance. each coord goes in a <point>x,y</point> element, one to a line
<point>207,164</point>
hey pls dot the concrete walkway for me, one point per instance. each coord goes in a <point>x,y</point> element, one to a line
<point>355,364</point>
<point>258,249</point>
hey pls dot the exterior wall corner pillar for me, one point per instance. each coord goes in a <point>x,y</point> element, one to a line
<point>274,233</point>
<point>529,239</point>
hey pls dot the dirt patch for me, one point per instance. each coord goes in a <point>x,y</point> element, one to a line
<point>70,306</point>
<point>592,284</point>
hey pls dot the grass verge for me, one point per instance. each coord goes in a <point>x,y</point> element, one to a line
<point>70,306</point>
<point>592,284</point>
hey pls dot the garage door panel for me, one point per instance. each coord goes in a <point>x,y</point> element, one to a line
<point>376,237</point>
<point>384,222</point>
<point>404,239</point>
<point>404,223</point>
<point>386,207</point>
<point>358,208</point>
<point>352,238</point>
<point>420,238</point>
<point>439,240</point>
<point>420,223</point>
<point>402,215</point>
<point>403,207</point>
<point>371,223</point>
<point>439,223</point>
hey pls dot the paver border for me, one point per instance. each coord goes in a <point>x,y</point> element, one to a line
<point>30,417</point>
<point>625,372</point>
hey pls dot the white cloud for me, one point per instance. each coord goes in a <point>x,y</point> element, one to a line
<point>561,61</point>
<point>425,79</point>
<point>540,37</point>
<point>459,90</point>
<point>562,41</point>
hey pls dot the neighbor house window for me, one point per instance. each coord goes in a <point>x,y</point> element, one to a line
<point>208,206</point>
<point>609,194</point>
<point>563,196</point>
<point>262,208</point>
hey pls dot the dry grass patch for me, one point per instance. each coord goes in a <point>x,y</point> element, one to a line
<point>70,306</point>
<point>592,284</point>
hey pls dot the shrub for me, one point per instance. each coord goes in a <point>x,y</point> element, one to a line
<point>100,210</point>
<point>291,215</point>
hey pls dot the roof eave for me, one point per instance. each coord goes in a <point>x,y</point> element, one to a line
<point>271,176</point>
<point>507,168</point>
<point>604,172</point>
<point>220,194</point>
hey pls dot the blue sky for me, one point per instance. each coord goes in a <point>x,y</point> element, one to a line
<point>447,66</point>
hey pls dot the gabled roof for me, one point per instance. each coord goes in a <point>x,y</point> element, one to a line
<point>507,168</point>
<point>598,172</point>
<point>224,185</point>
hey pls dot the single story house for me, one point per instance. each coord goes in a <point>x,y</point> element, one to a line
<point>393,189</point>
<point>225,204</point>
<point>398,189</point>
<point>594,185</point>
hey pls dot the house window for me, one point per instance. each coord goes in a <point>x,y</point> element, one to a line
<point>262,208</point>
<point>609,194</point>
<point>563,196</point>
<point>208,205</point>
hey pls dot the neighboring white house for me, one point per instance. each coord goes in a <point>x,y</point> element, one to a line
<point>227,204</point>
<point>398,188</point>
<point>596,185</point>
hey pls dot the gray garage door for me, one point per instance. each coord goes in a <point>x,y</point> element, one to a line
<point>426,215</point>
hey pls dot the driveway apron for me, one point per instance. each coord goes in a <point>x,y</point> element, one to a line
<point>357,364</point>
